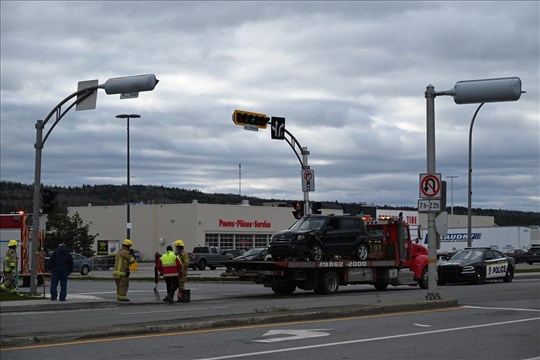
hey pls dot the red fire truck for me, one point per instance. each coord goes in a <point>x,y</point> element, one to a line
<point>394,259</point>
<point>15,226</point>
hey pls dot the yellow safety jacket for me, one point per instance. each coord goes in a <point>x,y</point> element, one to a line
<point>121,262</point>
<point>169,265</point>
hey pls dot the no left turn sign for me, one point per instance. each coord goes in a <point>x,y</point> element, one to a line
<point>430,186</point>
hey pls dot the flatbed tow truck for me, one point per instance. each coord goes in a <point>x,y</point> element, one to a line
<point>394,259</point>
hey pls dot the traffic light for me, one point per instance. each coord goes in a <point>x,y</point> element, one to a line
<point>316,208</point>
<point>48,200</point>
<point>241,117</point>
<point>298,209</point>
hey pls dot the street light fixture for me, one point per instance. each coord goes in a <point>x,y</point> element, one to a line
<point>464,92</point>
<point>121,85</point>
<point>128,223</point>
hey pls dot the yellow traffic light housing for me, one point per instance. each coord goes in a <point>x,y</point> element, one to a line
<point>241,117</point>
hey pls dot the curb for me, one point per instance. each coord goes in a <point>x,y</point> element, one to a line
<point>233,320</point>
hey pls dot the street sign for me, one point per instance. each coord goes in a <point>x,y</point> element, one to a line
<point>251,128</point>
<point>131,95</point>
<point>429,205</point>
<point>308,180</point>
<point>278,128</point>
<point>430,186</point>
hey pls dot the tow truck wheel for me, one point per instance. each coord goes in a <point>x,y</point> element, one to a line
<point>328,283</point>
<point>316,252</point>
<point>362,251</point>
<point>423,281</point>
<point>286,289</point>
<point>381,285</point>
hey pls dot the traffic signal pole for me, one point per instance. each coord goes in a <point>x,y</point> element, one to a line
<point>294,144</point>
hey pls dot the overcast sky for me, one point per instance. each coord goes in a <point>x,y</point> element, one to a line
<point>349,77</point>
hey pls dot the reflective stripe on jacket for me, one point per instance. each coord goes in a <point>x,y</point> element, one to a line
<point>169,265</point>
<point>121,262</point>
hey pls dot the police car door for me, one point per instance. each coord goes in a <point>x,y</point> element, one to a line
<point>495,265</point>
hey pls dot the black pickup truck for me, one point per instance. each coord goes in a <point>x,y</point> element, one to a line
<point>211,256</point>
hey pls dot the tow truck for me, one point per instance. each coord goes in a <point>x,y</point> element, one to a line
<point>394,259</point>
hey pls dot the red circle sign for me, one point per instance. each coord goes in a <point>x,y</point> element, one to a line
<point>430,186</point>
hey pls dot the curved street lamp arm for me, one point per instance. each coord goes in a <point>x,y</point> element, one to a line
<point>292,143</point>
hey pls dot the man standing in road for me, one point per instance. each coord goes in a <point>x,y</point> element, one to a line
<point>122,261</point>
<point>10,268</point>
<point>170,266</point>
<point>61,264</point>
<point>184,259</point>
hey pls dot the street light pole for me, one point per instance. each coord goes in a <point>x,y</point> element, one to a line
<point>128,223</point>
<point>122,85</point>
<point>452,177</point>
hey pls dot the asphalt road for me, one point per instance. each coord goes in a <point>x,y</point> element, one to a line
<point>494,321</point>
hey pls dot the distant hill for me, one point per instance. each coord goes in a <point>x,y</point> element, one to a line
<point>16,196</point>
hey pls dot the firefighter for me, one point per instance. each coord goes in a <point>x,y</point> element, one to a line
<point>171,268</point>
<point>10,268</point>
<point>122,261</point>
<point>184,259</point>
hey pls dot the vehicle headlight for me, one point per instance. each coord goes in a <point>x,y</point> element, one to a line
<point>301,237</point>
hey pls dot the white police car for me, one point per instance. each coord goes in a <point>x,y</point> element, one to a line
<point>476,265</point>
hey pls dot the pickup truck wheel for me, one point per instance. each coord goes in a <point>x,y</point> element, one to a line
<point>202,265</point>
<point>328,283</point>
<point>211,267</point>
<point>423,281</point>
<point>316,252</point>
<point>286,289</point>
<point>362,252</point>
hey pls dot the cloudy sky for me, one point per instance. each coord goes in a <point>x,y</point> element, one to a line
<point>349,77</point>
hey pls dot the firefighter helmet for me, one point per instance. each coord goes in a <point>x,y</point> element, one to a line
<point>127,242</point>
<point>179,243</point>
<point>13,243</point>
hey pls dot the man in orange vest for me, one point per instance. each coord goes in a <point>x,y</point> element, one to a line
<point>171,269</point>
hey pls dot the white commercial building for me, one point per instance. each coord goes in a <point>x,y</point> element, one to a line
<point>154,226</point>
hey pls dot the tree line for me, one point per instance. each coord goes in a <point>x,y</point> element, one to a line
<point>17,196</point>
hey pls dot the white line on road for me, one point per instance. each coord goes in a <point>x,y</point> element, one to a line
<point>498,308</point>
<point>368,340</point>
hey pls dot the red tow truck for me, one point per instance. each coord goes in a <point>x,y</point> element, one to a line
<point>394,259</point>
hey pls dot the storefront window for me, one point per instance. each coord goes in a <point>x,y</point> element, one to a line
<point>211,240</point>
<point>226,241</point>
<point>261,241</point>
<point>243,241</point>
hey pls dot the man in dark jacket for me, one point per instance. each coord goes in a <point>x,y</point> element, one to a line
<point>61,263</point>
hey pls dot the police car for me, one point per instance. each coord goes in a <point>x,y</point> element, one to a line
<point>476,265</point>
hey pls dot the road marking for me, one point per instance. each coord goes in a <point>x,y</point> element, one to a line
<point>368,340</point>
<point>498,308</point>
<point>294,335</point>
<point>422,325</point>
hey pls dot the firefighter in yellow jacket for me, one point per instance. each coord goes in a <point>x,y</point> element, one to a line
<point>184,259</point>
<point>122,261</point>
<point>10,268</point>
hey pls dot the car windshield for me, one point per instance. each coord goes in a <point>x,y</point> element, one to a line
<point>468,255</point>
<point>308,224</point>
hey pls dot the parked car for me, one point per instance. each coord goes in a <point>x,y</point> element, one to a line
<point>81,264</point>
<point>533,254</point>
<point>518,255</point>
<point>475,265</point>
<point>211,256</point>
<point>317,236</point>
<point>253,255</point>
